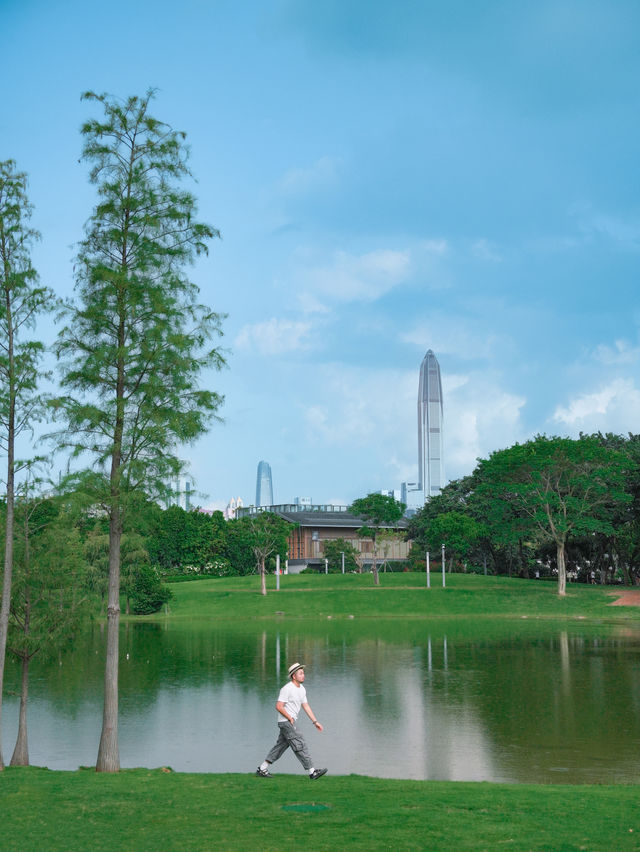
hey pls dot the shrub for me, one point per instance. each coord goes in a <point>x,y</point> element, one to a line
<point>149,593</point>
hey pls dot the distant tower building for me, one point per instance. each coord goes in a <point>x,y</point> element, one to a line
<point>264,485</point>
<point>232,507</point>
<point>430,449</point>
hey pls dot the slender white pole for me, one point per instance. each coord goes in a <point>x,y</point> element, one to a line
<point>326,566</point>
<point>428,572</point>
<point>342,554</point>
<point>443,580</point>
<point>277,572</point>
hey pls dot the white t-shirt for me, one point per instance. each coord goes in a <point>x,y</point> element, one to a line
<point>293,697</point>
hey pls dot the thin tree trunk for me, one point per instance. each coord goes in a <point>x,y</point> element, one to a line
<point>8,543</point>
<point>562,569</point>
<point>263,579</point>
<point>108,751</point>
<point>21,751</point>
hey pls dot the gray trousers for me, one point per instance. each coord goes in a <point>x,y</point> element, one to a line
<point>290,737</point>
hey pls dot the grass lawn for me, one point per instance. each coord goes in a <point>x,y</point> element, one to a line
<point>403,595</point>
<point>142,809</point>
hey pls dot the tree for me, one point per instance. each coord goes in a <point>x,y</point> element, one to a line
<point>333,549</point>
<point>44,607</point>
<point>268,535</point>
<point>457,530</point>
<point>377,510</point>
<point>135,346</point>
<point>21,301</point>
<point>564,487</point>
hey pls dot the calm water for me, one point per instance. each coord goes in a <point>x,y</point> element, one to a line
<point>397,702</point>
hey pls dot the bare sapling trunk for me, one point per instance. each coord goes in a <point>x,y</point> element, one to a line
<point>562,569</point>
<point>263,579</point>
<point>374,564</point>
<point>21,751</point>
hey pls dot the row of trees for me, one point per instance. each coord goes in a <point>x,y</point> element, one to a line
<point>571,504</point>
<point>132,348</point>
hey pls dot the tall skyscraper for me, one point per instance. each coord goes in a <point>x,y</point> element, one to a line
<point>264,485</point>
<point>430,449</point>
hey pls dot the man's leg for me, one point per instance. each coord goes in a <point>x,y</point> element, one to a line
<point>282,744</point>
<point>297,743</point>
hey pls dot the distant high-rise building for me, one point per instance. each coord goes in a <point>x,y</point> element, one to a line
<point>232,507</point>
<point>179,493</point>
<point>264,485</point>
<point>430,448</point>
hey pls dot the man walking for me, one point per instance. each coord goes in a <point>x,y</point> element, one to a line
<point>292,697</point>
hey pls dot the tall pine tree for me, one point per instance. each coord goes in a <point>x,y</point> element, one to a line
<point>22,300</point>
<point>137,341</point>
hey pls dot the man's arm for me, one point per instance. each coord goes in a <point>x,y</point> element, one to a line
<point>283,712</point>
<point>307,709</point>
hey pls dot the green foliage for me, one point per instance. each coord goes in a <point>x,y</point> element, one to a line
<point>136,343</point>
<point>179,539</point>
<point>558,486</point>
<point>377,511</point>
<point>256,540</point>
<point>333,550</point>
<point>148,593</point>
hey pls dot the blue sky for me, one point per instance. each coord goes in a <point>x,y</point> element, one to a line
<point>387,178</point>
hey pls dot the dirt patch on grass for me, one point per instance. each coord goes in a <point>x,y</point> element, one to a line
<point>629,597</point>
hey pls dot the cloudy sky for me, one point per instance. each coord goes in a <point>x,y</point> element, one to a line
<point>387,178</point>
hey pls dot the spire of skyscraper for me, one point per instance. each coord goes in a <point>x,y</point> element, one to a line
<point>430,448</point>
<point>264,485</point>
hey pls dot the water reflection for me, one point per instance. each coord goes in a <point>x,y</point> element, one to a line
<point>396,701</point>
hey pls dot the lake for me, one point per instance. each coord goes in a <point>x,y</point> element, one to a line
<point>512,702</point>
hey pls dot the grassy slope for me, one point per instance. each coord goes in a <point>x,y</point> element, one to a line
<point>141,809</point>
<point>399,596</point>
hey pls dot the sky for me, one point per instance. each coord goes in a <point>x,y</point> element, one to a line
<point>387,178</point>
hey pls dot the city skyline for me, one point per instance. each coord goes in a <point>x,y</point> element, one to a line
<point>386,178</point>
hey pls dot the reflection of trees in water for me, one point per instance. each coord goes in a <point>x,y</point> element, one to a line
<point>566,697</point>
<point>568,702</point>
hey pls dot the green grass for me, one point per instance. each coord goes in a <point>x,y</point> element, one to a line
<point>142,809</point>
<point>399,596</point>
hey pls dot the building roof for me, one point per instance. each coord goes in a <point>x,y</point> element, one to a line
<point>315,516</point>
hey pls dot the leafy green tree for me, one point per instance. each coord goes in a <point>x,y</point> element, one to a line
<point>45,610</point>
<point>136,343</point>
<point>148,593</point>
<point>377,510</point>
<point>179,538</point>
<point>459,532</point>
<point>333,550</point>
<point>21,302</point>
<point>268,535</point>
<point>564,487</point>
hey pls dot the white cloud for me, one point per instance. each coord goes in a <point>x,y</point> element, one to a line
<point>613,408</point>
<point>374,412</point>
<point>301,181</point>
<point>621,352</point>
<point>357,278</point>
<point>274,336</point>
<point>485,250</point>
<point>464,337</point>
<point>479,417</point>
